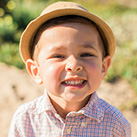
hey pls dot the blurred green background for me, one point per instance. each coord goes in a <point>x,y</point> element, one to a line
<point>120,15</point>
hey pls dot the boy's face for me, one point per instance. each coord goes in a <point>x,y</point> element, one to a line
<point>70,63</point>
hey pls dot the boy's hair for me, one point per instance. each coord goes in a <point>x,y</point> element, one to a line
<point>35,48</point>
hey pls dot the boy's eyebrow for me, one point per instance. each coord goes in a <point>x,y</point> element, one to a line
<point>58,48</point>
<point>88,46</point>
<point>85,45</point>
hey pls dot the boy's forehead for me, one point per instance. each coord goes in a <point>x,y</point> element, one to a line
<point>73,25</point>
<point>83,35</point>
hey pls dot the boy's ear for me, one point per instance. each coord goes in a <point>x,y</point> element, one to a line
<point>105,65</point>
<point>33,70</point>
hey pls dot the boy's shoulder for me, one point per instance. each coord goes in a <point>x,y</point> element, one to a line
<point>113,113</point>
<point>29,107</point>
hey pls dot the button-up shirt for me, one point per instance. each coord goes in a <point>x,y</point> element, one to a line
<point>97,119</point>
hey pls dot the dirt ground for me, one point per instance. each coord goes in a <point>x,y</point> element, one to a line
<point>17,88</point>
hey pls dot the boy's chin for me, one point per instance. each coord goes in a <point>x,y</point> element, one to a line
<point>76,98</point>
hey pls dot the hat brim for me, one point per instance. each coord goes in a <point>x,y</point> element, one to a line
<point>33,26</point>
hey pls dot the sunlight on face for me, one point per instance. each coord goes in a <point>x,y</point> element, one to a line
<point>70,62</point>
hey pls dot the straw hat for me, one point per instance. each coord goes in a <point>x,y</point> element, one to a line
<point>61,9</point>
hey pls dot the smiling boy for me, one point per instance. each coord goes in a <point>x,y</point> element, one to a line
<point>69,52</point>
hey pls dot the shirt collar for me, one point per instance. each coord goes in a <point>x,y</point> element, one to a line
<point>92,110</point>
<point>43,104</point>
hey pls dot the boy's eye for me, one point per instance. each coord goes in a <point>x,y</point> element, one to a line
<point>86,55</point>
<point>59,56</point>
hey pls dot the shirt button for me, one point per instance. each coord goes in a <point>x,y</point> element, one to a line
<point>83,124</point>
<point>69,130</point>
<point>57,116</point>
<point>54,121</point>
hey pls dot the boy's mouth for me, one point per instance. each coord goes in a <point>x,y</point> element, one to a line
<point>73,82</point>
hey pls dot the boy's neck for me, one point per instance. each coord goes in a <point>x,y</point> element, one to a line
<point>63,108</point>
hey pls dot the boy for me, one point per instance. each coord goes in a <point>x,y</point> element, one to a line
<point>69,51</point>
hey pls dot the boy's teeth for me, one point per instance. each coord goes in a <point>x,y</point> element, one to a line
<point>76,82</point>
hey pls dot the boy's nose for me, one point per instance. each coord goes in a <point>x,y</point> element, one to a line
<point>73,65</point>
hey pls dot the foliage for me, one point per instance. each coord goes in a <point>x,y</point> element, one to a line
<point>10,55</point>
<point>16,14</point>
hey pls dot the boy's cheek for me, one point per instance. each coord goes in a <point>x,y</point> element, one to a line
<point>51,72</point>
<point>94,71</point>
<point>95,67</point>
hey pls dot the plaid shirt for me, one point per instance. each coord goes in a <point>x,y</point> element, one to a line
<point>97,119</point>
